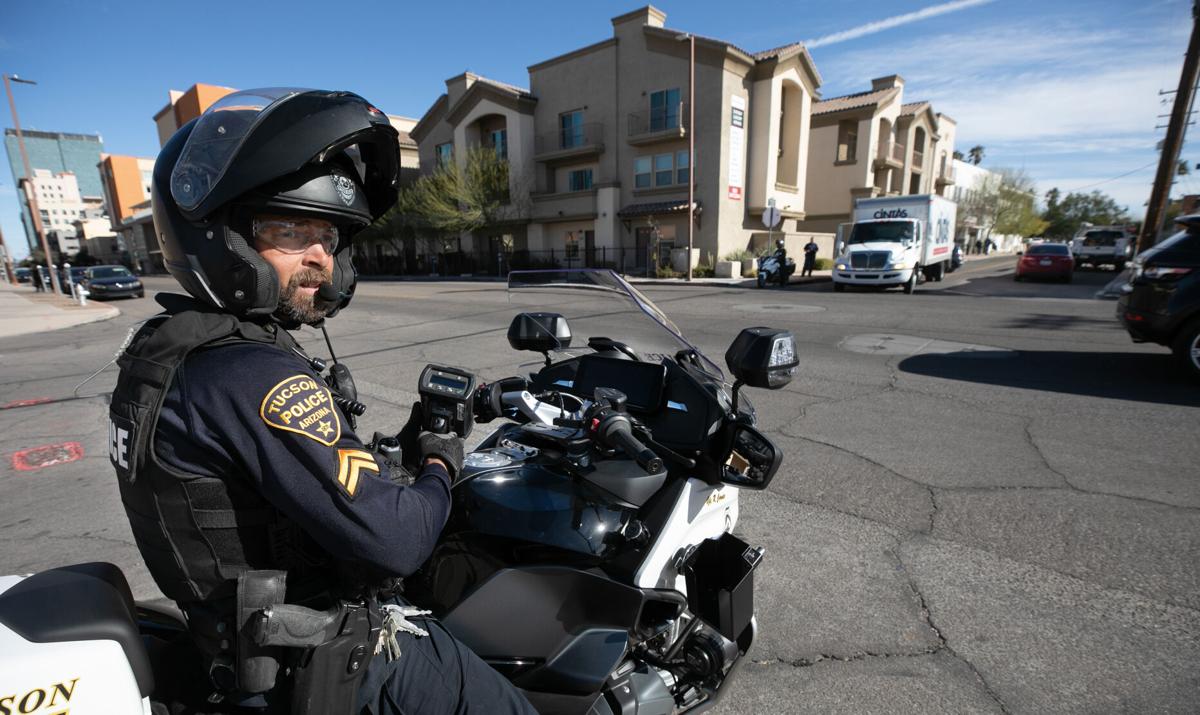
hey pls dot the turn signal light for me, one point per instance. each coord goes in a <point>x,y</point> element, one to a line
<point>1134,318</point>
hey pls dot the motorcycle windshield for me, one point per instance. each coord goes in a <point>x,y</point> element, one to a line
<point>599,303</point>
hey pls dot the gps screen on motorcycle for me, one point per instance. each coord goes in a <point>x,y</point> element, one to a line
<point>642,382</point>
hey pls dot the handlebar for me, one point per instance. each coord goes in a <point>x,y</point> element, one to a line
<point>615,431</point>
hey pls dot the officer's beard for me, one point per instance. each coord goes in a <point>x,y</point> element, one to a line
<point>297,306</point>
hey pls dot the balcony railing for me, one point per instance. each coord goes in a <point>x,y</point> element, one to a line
<point>570,139</point>
<point>918,160</point>
<point>890,153</point>
<point>947,175</point>
<point>668,122</point>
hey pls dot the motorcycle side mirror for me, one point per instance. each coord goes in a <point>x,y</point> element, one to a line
<point>761,357</point>
<point>753,459</point>
<point>539,332</point>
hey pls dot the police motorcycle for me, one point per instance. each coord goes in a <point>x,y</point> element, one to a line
<point>589,555</point>
<point>775,268</point>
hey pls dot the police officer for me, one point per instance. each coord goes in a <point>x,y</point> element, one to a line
<point>243,481</point>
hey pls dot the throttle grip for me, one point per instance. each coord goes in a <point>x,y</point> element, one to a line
<point>618,434</point>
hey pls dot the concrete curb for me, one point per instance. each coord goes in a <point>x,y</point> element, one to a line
<point>24,314</point>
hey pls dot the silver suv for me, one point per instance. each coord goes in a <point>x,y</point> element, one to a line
<point>1104,245</point>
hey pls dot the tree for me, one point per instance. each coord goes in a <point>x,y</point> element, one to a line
<point>976,154</point>
<point>453,200</point>
<point>1065,215</point>
<point>1003,202</point>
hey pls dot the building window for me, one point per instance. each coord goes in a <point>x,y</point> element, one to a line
<point>445,154</point>
<point>570,129</point>
<point>498,139</point>
<point>847,149</point>
<point>663,170</point>
<point>681,167</point>
<point>641,172</point>
<point>579,180</point>
<point>664,109</point>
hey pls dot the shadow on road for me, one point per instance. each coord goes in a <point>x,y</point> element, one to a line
<point>1046,321</point>
<point>1138,377</point>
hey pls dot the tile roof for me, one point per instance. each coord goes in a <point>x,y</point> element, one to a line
<point>913,108</point>
<point>504,85</point>
<point>777,51</point>
<point>406,140</point>
<point>655,208</point>
<point>854,101</point>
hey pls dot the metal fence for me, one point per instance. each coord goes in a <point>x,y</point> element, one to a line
<point>624,260</point>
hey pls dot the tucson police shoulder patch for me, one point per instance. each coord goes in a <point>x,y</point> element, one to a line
<point>302,405</point>
<point>350,463</point>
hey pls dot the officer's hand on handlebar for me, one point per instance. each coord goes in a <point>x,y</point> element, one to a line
<point>446,448</point>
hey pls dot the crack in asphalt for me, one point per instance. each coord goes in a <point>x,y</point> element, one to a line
<point>944,643</point>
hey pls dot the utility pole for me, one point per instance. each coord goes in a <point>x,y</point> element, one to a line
<point>1168,161</point>
<point>35,214</point>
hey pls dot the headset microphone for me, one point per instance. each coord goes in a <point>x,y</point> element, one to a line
<point>327,296</point>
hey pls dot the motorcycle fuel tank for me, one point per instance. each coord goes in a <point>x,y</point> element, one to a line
<point>528,503</point>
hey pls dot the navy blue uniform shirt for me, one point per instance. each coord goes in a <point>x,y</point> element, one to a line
<point>256,413</point>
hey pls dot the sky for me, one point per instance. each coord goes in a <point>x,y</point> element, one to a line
<point>1067,90</point>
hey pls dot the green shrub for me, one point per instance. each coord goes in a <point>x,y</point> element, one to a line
<point>738,256</point>
<point>703,270</point>
<point>823,264</point>
<point>666,272</point>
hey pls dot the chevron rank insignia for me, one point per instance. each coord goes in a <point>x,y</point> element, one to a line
<point>350,463</point>
<point>302,405</point>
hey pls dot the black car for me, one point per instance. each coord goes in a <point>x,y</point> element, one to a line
<point>1161,302</point>
<point>112,282</point>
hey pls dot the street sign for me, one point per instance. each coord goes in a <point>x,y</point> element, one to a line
<point>771,217</point>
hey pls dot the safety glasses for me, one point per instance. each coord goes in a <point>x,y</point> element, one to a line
<point>296,235</point>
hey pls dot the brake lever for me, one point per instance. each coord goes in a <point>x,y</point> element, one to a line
<point>664,451</point>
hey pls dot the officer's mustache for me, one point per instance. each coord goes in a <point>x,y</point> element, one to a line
<point>308,277</point>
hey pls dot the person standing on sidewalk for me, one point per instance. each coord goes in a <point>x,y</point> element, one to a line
<point>810,257</point>
<point>38,285</point>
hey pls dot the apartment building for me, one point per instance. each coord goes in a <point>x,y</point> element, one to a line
<point>598,146</point>
<point>871,144</point>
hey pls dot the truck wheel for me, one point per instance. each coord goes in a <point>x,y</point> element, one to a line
<point>911,285</point>
<point>1186,347</point>
<point>939,272</point>
<point>839,287</point>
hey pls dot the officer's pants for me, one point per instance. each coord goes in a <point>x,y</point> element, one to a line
<point>435,675</point>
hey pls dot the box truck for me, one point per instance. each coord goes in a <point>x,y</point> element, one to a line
<point>893,240</point>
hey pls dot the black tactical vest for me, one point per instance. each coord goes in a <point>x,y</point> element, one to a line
<point>196,533</point>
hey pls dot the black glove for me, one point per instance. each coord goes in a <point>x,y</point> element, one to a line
<point>446,447</point>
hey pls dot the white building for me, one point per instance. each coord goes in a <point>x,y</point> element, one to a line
<point>61,205</point>
<point>977,227</point>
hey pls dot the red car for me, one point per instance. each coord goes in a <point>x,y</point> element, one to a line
<point>1046,260</point>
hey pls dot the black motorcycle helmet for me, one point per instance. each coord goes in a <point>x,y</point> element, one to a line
<point>328,155</point>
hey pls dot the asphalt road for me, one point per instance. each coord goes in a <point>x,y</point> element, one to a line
<point>990,499</point>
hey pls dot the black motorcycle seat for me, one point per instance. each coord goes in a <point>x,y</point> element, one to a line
<point>90,601</point>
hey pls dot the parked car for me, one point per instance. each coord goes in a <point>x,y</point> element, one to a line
<point>1046,260</point>
<point>1104,245</point>
<point>112,282</point>
<point>78,273</point>
<point>1161,302</point>
<point>24,275</point>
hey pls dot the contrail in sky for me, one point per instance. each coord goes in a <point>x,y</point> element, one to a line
<point>887,23</point>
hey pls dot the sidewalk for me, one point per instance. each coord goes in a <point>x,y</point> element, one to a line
<point>24,311</point>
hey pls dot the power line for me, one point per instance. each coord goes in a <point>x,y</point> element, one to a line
<point>1119,176</point>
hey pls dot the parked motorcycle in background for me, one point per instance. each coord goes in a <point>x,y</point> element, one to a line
<point>775,268</point>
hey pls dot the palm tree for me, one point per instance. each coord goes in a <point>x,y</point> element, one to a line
<point>976,154</point>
